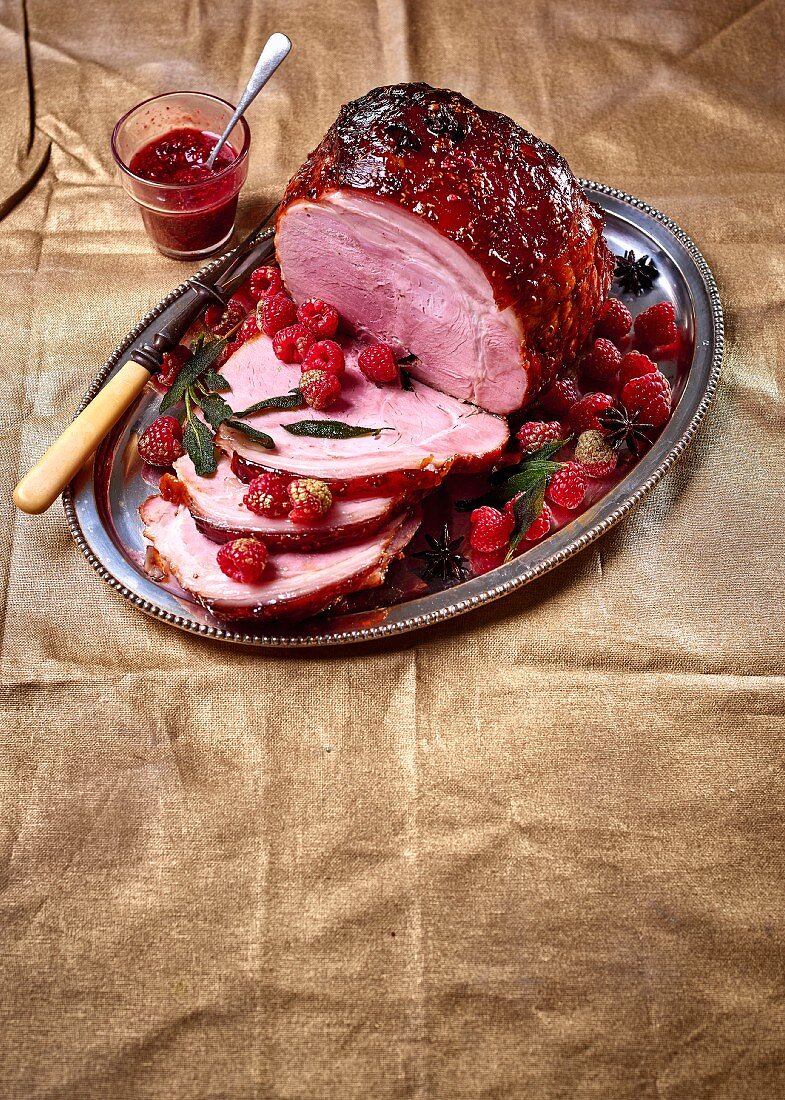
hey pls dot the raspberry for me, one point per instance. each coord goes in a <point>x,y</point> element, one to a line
<point>491,529</point>
<point>268,495</point>
<point>325,355</point>
<point>173,360</point>
<point>536,433</point>
<point>614,321</point>
<point>378,364</point>
<point>222,322</point>
<point>247,329</point>
<point>291,344</point>
<point>561,396</point>
<point>633,365</point>
<point>656,326</point>
<point>319,388</point>
<point>275,313</point>
<point>320,318</point>
<point>594,454</point>
<point>602,361</point>
<point>311,499</point>
<point>484,563</point>
<point>243,560</point>
<point>649,395</point>
<point>160,444</point>
<point>265,282</point>
<point>541,525</point>
<point>583,415</point>
<point>568,486</point>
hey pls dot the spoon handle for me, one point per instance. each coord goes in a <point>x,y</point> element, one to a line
<point>275,50</point>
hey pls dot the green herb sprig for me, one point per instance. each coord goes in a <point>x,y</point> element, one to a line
<point>525,483</point>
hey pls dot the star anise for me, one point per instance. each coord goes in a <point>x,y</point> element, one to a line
<point>443,560</point>
<point>624,428</point>
<point>635,276</point>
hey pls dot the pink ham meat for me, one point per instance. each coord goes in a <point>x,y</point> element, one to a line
<point>295,585</point>
<point>427,432</point>
<point>452,234</point>
<point>216,503</point>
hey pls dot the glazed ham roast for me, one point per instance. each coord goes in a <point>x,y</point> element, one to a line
<point>452,234</point>
<point>466,244</point>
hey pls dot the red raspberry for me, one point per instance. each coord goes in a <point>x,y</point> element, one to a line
<point>567,487</point>
<point>584,414</point>
<point>320,318</point>
<point>656,326</point>
<point>595,455</point>
<point>484,563</point>
<point>320,388</point>
<point>311,499</point>
<point>212,317</point>
<point>540,526</point>
<point>291,344</point>
<point>633,365</point>
<point>222,322</point>
<point>160,444</point>
<point>276,312</point>
<point>265,282</point>
<point>649,395</point>
<point>325,355</point>
<point>268,495</point>
<point>602,362</point>
<point>243,560</point>
<point>491,529</point>
<point>173,360</point>
<point>561,396</point>
<point>247,330</point>
<point>378,364</point>
<point>536,433</point>
<point>614,321</point>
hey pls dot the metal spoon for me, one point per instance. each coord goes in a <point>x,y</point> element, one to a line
<point>275,50</point>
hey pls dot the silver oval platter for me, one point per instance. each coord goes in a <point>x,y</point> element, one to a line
<point>101,505</point>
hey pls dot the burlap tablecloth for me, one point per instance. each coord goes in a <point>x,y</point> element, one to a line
<point>537,852</point>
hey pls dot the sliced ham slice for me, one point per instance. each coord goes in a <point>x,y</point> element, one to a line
<point>295,585</point>
<point>216,503</point>
<point>428,433</point>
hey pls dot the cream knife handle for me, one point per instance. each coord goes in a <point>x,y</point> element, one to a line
<point>45,482</point>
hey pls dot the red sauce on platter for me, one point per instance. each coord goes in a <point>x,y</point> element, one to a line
<point>201,201</point>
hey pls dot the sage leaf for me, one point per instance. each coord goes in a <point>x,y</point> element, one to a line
<point>261,438</point>
<point>215,409</point>
<point>292,400</point>
<point>545,452</point>
<point>215,382</point>
<point>203,358</point>
<point>525,510</point>
<point>331,429</point>
<point>530,478</point>
<point>198,442</point>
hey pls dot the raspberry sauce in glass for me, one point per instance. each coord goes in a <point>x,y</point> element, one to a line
<point>179,157</point>
<point>161,147</point>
